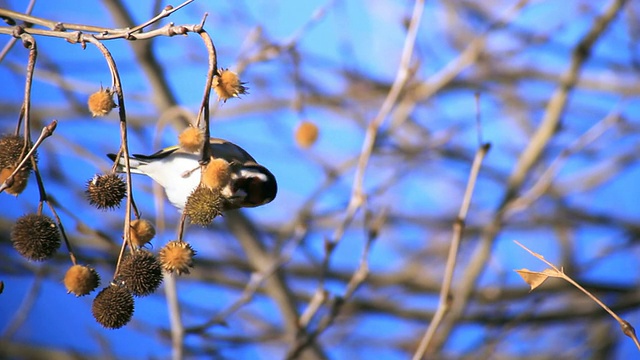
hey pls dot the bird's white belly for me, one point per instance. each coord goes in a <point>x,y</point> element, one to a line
<point>178,175</point>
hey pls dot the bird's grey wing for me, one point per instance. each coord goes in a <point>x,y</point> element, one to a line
<point>161,154</point>
<point>229,151</point>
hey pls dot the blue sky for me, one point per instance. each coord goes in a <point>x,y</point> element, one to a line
<point>346,39</point>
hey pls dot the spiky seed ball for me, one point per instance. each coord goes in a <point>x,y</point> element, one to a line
<point>177,256</point>
<point>35,237</point>
<point>216,174</point>
<point>306,134</point>
<point>227,84</point>
<point>81,280</point>
<point>106,191</point>
<point>203,205</point>
<point>141,273</point>
<point>113,307</point>
<point>12,149</point>
<point>19,180</point>
<point>101,102</point>
<point>191,139</point>
<point>142,231</point>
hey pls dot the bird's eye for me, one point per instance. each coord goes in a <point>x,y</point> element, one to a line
<point>256,192</point>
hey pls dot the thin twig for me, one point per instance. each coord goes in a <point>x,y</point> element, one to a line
<point>458,227</point>
<point>173,306</point>
<point>26,305</point>
<point>67,243</point>
<point>44,198</point>
<point>124,146</point>
<point>276,286</point>
<point>101,33</point>
<point>46,132</point>
<point>253,285</point>
<point>320,295</point>
<point>358,199</point>
<point>25,112</point>
<point>457,65</point>
<point>181,226</point>
<point>544,181</point>
<point>166,12</point>
<point>402,77</point>
<point>204,107</point>
<point>626,327</point>
<point>336,304</point>
<point>9,45</point>
<point>529,157</point>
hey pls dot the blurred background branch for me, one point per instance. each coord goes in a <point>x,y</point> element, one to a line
<point>557,82</point>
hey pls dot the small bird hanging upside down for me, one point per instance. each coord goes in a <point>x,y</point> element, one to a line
<point>179,173</point>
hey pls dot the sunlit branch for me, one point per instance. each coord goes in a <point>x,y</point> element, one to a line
<point>9,45</point>
<point>545,180</point>
<point>124,147</point>
<point>625,326</point>
<point>203,112</point>
<point>335,305</point>
<point>539,141</point>
<point>402,77</point>
<point>58,29</point>
<point>456,237</point>
<point>256,280</point>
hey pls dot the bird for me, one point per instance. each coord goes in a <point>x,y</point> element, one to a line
<point>178,172</point>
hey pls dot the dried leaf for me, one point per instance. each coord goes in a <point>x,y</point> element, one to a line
<point>535,278</point>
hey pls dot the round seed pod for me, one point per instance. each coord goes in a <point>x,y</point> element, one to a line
<point>141,273</point>
<point>20,180</point>
<point>36,237</point>
<point>306,134</point>
<point>227,84</point>
<point>106,191</point>
<point>12,150</point>
<point>81,280</point>
<point>191,139</point>
<point>203,205</point>
<point>101,102</point>
<point>177,257</point>
<point>113,307</point>
<point>217,174</point>
<point>142,231</point>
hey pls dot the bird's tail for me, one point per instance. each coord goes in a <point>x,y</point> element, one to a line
<point>134,163</point>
